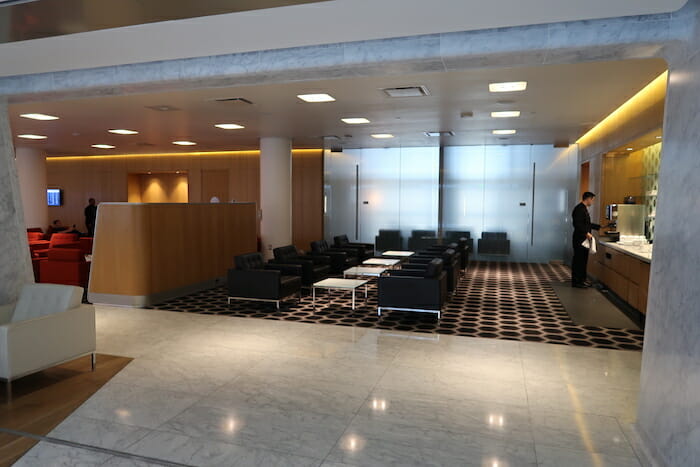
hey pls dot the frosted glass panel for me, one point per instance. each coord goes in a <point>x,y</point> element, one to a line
<point>555,198</point>
<point>339,191</point>
<point>507,196</point>
<point>463,206</point>
<point>420,176</point>
<point>380,183</point>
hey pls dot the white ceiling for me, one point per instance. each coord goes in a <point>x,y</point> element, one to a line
<point>561,103</point>
<point>311,24</point>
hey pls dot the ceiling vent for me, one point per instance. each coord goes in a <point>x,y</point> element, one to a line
<point>439,133</point>
<point>234,100</point>
<point>466,114</point>
<point>162,108</point>
<point>407,91</point>
<point>145,144</point>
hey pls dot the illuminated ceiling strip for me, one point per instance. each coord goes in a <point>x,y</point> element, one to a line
<point>255,152</point>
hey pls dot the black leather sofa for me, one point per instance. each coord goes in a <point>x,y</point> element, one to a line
<point>364,250</point>
<point>413,290</point>
<point>340,258</point>
<point>494,243</point>
<point>313,268</point>
<point>254,280</point>
<point>462,248</point>
<point>388,240</point>
<point>421,239</point>
<point>451,264</point>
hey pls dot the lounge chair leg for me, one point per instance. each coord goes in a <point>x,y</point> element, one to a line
<point>93,361</point>
<point>278,305</point>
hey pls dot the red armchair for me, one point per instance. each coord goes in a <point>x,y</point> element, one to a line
<point>65,266</point>
<point>59,240</point>
<point>36,241</point>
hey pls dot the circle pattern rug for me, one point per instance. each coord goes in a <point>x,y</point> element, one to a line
<point>513,301</point>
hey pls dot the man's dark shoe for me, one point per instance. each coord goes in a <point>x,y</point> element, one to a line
<point>579,286</point>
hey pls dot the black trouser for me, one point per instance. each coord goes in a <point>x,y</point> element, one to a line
<point>579,263</point>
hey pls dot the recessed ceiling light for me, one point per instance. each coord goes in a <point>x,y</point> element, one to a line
<point>630,149</point>
<point>39,116</point>
<point>103,146</point>
<point>659,137</point>
<point>184,143</point>
<point>506,114</point>
<point>439,133</point>
<point>32,136</point>
<point>316,97</point>
<point>504,132</point>
<point>229,126</point>
<point>511,86</point>
<point>355,120</point>
<point>124,132</point>
<point>382,135</point>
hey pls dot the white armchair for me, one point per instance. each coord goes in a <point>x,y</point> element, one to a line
<point>47,326</point>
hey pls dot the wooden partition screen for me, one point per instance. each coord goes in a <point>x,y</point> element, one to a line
<point>146,253</point>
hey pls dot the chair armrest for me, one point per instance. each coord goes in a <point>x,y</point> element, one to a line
<point>286,268</point>
<point>256,283</point>
<point>418,271</point>
<point>39,343</point>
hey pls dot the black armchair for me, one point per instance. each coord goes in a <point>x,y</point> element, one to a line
<point>421,239</point>
<point>461,246</point>
<point>389,240</point>
<point>314,268</point>
<point>494,243</point>
<point>413,290</point>
<point>254,280</point>
<point>364,250</point>
<point>340,258</point>
<point>451,264</point>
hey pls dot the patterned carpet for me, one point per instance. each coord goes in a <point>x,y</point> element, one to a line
<point>513,301</point>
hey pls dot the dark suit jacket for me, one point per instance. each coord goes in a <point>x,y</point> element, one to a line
<point>582,223</point>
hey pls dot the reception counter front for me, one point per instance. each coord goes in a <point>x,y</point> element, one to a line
<point>624,270</point>
<point>147,253</point>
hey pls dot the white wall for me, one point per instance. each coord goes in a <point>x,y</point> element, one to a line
<point>311,24</point>
<point>31,169</point>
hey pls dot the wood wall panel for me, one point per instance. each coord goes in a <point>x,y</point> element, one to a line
<point>142,250</point>
<point>307,199</point>
<point>106,180</point>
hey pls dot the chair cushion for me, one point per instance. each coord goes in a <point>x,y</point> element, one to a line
<point>35,236</point>
<point>37,300</point>
<point>287,252</point>
<point>250,261</point>
<point>66,254</point>
<point>59,238</point>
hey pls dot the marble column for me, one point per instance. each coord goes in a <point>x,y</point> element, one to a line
<point>31,170</point>
<point>669,402</point>
<point>15,263</point>
<point>275,193</point>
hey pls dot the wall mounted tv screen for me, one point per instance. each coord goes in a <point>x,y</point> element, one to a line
<point>54,196</point>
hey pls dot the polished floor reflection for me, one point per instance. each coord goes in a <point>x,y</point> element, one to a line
<point>225,391</point>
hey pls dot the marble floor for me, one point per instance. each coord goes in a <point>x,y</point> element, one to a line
<point>207,390</point>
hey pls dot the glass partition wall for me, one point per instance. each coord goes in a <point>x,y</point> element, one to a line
<point>525,193</point>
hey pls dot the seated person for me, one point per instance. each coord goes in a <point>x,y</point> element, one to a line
<point>56,226</point>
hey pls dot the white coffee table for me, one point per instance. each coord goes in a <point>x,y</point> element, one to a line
<point>389,263</point>
<point>398,254</point>
<point>359,271</point>
<point>338,284</point>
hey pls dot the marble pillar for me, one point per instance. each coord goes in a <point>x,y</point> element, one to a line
<point>31,170</point>
<point>275,193</point>
<point>669,403</point>
<point>15,263</point>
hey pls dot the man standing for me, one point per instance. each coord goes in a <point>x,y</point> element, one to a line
<point>582,231</point>
<point>90,216</point>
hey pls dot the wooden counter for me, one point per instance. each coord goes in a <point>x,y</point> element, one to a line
<point>625,274</point>
<point>147,253</point>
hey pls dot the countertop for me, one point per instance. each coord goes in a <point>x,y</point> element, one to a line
<point>642,253</point>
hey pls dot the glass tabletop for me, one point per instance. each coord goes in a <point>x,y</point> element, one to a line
<point>340,283</point>
<point>398,253</point>
<point>382,261</point>
<point>360,271</point>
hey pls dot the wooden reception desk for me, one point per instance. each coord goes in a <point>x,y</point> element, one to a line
<point>146,253</point>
